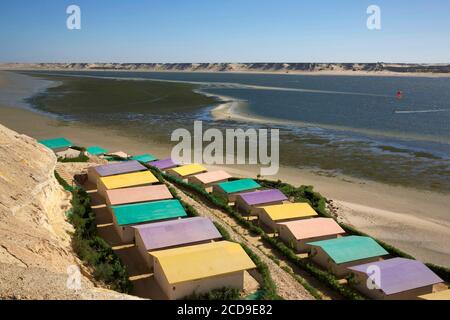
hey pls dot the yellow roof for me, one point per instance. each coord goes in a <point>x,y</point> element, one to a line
<point>441,295</point>
<point>202,261</point>
<point>128,180</point>
<point>189,169</point>
<point>289,211</point>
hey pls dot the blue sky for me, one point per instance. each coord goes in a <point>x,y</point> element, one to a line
<point>225,31</point>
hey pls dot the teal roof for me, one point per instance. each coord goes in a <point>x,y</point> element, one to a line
<point>96,150</point>
<point>57,143</point>
<point>239,185</point>
<point>148,212</point>
<point>352,248</point>
<point>144,158</point>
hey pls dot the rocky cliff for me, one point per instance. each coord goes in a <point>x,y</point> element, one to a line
<point>36,258</point>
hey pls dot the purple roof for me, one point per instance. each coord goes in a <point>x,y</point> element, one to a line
<point>399,274</point>
<point>261,197</point>
<point>163,164</point>
<point>119,168</point>
<point>173,233</point>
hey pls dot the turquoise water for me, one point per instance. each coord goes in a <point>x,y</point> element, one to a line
<point>335,124</point>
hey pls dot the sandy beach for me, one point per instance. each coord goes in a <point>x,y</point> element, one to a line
<point>237,70</point>
<point>415,221</point>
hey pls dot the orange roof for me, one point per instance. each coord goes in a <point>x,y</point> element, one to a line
<point>212,176</point>
<point>311,228</point>
<point>138,194</point>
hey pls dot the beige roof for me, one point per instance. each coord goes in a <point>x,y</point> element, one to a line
<point>311,228</point>
<point>287,211</point>
<point>138,194</point>
<point>213,176</point>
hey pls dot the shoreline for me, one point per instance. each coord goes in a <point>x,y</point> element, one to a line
<point>413,220</point>
<point>263,72</point>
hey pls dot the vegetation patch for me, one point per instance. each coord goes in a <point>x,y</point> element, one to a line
<point>224,293</point>
<point>92,249</point>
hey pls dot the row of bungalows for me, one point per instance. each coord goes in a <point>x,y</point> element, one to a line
<point>299,226</point>
<point>186,255</point>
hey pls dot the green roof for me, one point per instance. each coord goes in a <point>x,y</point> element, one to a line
<point>352,248</point>
<point>96,150</point>
<point>57,143</point>
<point>239,185</point>
<point>144,158</point>
<point>148,212</point>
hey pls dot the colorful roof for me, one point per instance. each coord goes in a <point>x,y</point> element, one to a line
<point>440,295</point>
<point>352,248</point>
<point>144,158</point>
<point>163,164</point>
<point>96,150</point>
<point>261,197</point>
<point>399,274</point>
<point>239,185</point>
<point>202,261</point>
<point>57,143</point>
<point>312,228</point>
<point>148,211</point>
<point>160,235</point>
<point>213,176</point>
<point>287,211</point>
<point>128,180</point>
<point>119,168</point>
<point>189,169</point>
<point>138,194</point>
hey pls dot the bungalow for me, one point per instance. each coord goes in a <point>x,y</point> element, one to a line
<point>208,179</point>
<point>57,145</point>
<point>127,216</point>
<point>135,179</point>
<point>249,202</point>
<point>394,279</point>
<point>298,233</point>
<point>229,190</point>
<point>144,158</point>
<point>131,195</point>
<point>186,171</point>
<point>440,295</point>
<point>163,164</point>
<point>173,234</point>
<point>94,173</point>
<point>199,269</point>
<point>271,216</point>
<point>337,255</point>
<point>96,151</point>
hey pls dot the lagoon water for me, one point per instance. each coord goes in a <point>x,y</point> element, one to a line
<point>337,124</point>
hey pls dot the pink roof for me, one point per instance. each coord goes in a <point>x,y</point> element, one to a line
<point>138,194</point>
<point>213,176</point>
<point>311,228</point>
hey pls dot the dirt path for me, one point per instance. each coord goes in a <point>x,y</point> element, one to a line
<point>288,287</point>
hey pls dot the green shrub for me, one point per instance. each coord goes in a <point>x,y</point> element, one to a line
<point>82,157</point>
<point>93,250</point>
<point>225,293</point>
<point>63,182</point>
